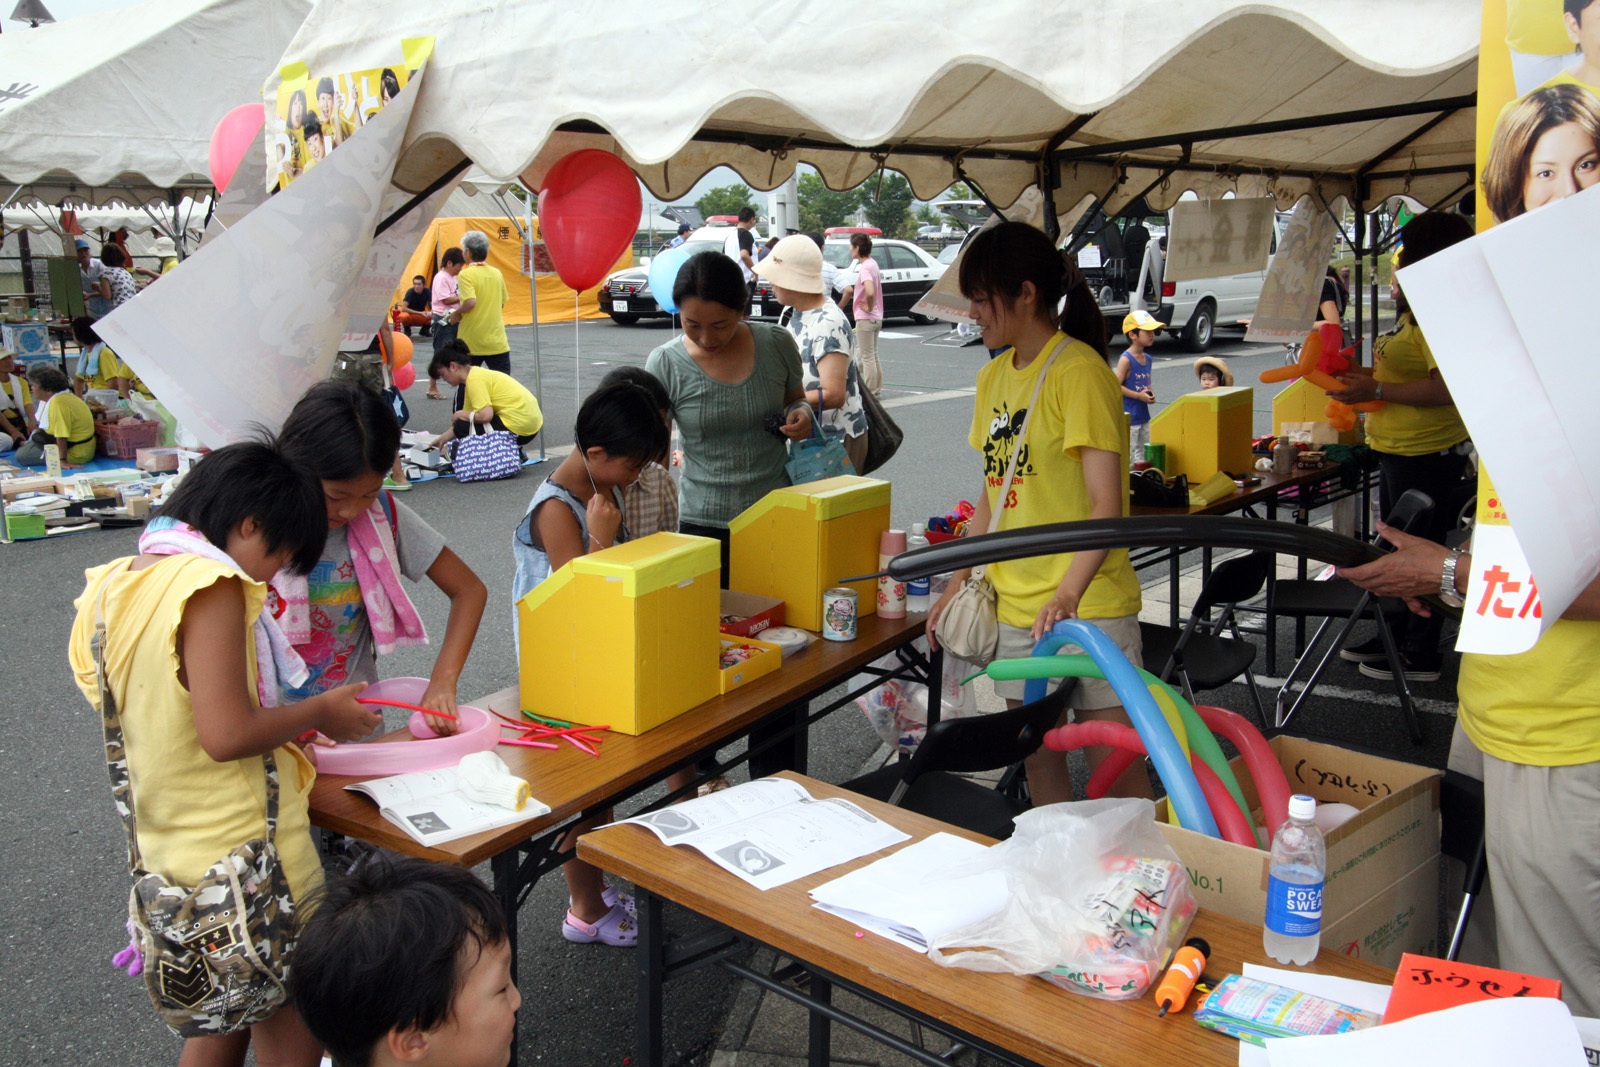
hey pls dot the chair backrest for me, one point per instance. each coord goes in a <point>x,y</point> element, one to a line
<point>1410,513</point>
<point>1233,580</point>
<point>988,742</point>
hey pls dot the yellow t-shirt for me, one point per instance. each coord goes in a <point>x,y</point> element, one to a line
<point>169,264</point>
<point>511,400</point>
<point>1565,78</point>
<point>192,810</point>
<point>1540,707</point>
<point>107,365</point>
<point>483,329</point>
<point>1402,355</point>
<point>1536,28</point>
<point>71,418</point>
<point>1080,406</point>
<point>16,399</point>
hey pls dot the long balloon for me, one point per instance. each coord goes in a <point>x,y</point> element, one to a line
<point>1272,786</point>
<point>1230,821</point>
<point>1183,789</point>
<point>1200,742</point>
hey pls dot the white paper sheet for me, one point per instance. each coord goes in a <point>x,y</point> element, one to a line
<point>1491,1033</point>
<point>1217,238</point>
<point>1290,295</point>
<point>1368,996</point>
<point>910,896</point>
<point>1521,381</point>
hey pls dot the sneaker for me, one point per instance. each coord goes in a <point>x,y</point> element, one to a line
<point>616,927</point>
<point>1415,670</point>
<point>394,486</point>
<point>1368,651</point>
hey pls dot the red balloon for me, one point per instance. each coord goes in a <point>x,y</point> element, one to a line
<point>232,138</point>
<point>405,376</point>
<point>588,214</point>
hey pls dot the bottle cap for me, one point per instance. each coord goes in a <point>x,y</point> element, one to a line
<point>892,543</point>
<point>918,529</point>
<point>1302,807</point>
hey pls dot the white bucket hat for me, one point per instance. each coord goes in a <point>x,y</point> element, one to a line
<point>794,263</point>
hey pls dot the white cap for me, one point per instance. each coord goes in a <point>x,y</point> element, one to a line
<point>1302,808</point>
<point>918,529</point>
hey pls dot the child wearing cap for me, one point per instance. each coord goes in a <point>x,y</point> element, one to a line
<point>1133,371</point>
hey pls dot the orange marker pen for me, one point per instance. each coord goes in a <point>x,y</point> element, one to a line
<point>1187,964</point>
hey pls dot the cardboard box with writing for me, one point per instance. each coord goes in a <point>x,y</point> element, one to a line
<point>1401,917</point>
<point>1206,432</point>
<point>626,637</point>
<point>747,614</point>
<point>1395,832</point>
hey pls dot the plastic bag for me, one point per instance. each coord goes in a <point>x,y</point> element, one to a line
<point>1099,900</point>
<point>898,710</point>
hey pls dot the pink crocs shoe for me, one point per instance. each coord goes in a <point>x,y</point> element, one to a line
<point>616,927</point>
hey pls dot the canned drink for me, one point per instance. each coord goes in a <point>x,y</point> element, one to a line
<point>839,614</point>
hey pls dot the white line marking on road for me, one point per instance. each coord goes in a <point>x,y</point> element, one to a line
<point>929,398</point>
<point>896,335</point>
<point>1425,705</point>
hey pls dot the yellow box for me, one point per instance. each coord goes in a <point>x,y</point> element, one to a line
<point>796,542</point>
<point>625,637</point>
<point>769,659</point>
<point>1207,432</point>
<point>1300,401</point>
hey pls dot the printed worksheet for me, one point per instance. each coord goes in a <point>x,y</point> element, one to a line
<point>771,831</point>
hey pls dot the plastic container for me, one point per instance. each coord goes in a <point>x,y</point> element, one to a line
<point>479,732</point>
<point>891,593</point>
<point>1299,868</point>
<point>917,590</point>
<point>122,440</point>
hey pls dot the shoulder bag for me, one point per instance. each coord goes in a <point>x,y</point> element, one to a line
<point>817,457</point>
<point>883,433</point>
<point>969,627</point>
<point>485,454</point>
<point>215,954</point>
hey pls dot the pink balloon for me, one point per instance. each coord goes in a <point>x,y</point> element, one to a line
<point>232,138</point>
<point>588,214</point>
<point>405,376</point>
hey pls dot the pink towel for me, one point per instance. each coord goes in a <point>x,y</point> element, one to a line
<point>393,618</point>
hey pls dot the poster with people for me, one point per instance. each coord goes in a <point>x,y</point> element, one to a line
<point>1521,378</point>
<point>317,112</point>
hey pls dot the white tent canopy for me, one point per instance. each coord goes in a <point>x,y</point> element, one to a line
<point>1286,98</point>
<point>119,106</point>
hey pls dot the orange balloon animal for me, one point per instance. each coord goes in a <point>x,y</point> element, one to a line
<point>1321,358</point>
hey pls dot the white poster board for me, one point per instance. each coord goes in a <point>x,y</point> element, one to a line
<point>1292,291</point>
<point>1216,238</point>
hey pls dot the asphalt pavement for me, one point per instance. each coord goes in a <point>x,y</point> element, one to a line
<point>63,880</point>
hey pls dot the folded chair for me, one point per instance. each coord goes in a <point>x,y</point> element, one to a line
<point>1337,599</point>
<point>1201,655</point>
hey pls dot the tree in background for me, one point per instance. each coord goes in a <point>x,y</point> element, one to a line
<point>724,200</point>
<point>887,205</point>
<point>926,216</point>
<point>959,191</point>
<point>821,207</point>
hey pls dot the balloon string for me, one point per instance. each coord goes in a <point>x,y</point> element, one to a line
<point>577,349</point>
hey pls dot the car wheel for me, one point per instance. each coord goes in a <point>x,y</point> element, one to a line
<point>1202,325</point>
<point>624,320</point>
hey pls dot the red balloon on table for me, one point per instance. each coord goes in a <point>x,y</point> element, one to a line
<point>588,214</point>
<point>232,138</point>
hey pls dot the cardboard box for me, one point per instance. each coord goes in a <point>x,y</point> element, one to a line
<point>37,483</point>
<point>769,660</point>
<point>30,341</point>
<point>626,637</point>
<point>796,542</point>
<point>157,459</point>
<point>1396,832</point>
<point>24,525</point>
<point>1206,432</point>
<point>1399,918</point>
<point>746,614</point>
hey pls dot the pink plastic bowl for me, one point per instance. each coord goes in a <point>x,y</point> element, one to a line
<point>480,732</point>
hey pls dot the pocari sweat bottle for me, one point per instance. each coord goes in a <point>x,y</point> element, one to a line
<point>1294,886</point>
<point>917,590</point>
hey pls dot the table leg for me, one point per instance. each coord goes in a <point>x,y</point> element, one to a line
<point>503,870</point>
<point>820,1048</point>
<point>652,976</point>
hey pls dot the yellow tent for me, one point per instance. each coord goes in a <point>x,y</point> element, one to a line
<point>505,252</point>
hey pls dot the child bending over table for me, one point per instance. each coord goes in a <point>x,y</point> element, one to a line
<point>579,509</point>
<point>189,669</point>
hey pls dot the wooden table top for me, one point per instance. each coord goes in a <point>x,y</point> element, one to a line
<point>570,781</point>
<point>1269,486</point>
<point>1026,1015</point>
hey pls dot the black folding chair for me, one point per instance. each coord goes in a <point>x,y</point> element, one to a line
<point>1201,655</point>
<point>1461,812</point>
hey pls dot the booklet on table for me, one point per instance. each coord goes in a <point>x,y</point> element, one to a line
<point>771,831</point>
<point>430,806</point>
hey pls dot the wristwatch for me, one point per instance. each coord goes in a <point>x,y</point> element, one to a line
<point>1377,391</point>
<point>1447,580</point>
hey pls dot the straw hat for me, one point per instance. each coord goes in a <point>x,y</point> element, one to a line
<point>1218,365</point>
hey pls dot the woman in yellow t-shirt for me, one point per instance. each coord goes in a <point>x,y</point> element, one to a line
<point>1074,465</point>
<point>180,664</point>
<point>64,420</point>
<point>1420,441</point>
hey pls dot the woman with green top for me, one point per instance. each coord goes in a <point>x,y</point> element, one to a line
<point>1420,441</point>
<point>728,379</point>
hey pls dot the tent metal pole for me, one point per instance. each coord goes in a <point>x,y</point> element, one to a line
<point>533,302</point>
<point>1356,246</point>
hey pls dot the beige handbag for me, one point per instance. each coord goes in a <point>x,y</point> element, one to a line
<point>969,628</point>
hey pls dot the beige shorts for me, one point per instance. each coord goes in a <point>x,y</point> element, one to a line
<point>1017,642</point>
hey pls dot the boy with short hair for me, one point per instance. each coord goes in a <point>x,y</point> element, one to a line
<point>1134,372</point>
<point>406,961</point>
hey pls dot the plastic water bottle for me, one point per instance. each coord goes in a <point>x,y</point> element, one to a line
<point>1294,887</point>
<point>917,590</point>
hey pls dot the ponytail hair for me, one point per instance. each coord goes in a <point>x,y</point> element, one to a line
<point>1001,258</point>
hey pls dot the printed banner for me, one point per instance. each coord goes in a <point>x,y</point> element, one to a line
<point>232,341</point>
<point>1519,377</point>
<point>1216,238</point>
<point>1292,291</point>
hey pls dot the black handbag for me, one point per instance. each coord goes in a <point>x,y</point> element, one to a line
<point>883,433</point>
